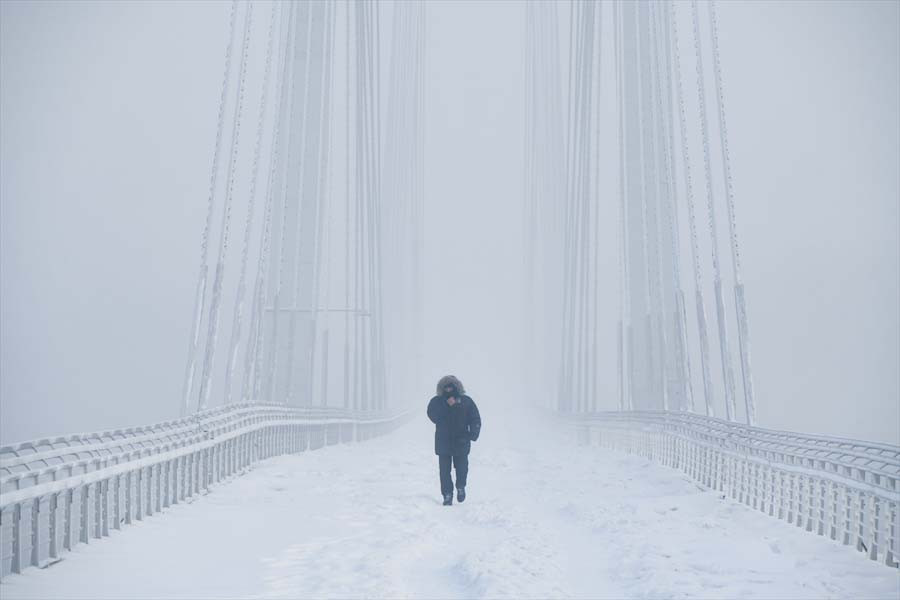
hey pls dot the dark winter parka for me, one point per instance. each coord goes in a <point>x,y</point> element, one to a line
<point>455,426</point>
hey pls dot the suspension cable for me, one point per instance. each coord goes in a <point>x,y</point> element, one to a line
<point>251,204</point>
<point>253,356</point>
<point>206,382</point>
<point>689,195</point>
<point>290,69</point>
<point>727,372</point>
<point>200,294</point>
<point>739,298</point>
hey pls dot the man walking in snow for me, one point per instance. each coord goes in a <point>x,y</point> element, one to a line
<point>456,425</point>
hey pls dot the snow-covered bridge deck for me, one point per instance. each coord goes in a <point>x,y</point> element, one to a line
<point>544,518</point>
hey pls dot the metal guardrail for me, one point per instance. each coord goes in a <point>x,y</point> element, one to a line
<point>57,492</point>
<point>847,490</point>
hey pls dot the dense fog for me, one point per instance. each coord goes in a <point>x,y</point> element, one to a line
<point>107,121</point>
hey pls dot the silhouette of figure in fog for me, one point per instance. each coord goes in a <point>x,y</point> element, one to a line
<point>456,425</point>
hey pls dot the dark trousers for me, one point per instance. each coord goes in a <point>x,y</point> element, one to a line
<point>461,462</point>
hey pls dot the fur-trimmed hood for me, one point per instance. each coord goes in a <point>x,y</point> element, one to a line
<point>449,380</point>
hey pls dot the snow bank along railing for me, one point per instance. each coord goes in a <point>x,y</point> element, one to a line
<point>847,490</point>
<point>57,492</point>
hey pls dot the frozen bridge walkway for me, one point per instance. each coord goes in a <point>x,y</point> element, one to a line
<point>544,518</point>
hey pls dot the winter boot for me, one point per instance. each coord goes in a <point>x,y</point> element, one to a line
<point>448,499</point>
<point>460,494</point>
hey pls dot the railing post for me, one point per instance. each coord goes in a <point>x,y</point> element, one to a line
<point>874,538</point>
<point>70,525</point>
<point>771,473</point>
<point>226,459</point>
<point>211,459</point>
<point>892,538</point>
<point>85,513</point>
<point>16,565</point>
<point>53,550</point>
<point>822,496</point>
<point>104,494</point>
<point>848,516</point>
<point>189,487</point>
<point>167,480</point>
<point>833,497</point>
<point>793,497</point>
<point>98,506</point>
<point>159,479</point>
<point>152,478</point>
<point>182,477</point>
<point>810,503</point>
<point>139,494</point>
<point>759,482</point>
<point>859,519</point>
<point>35,532</point>
<point>128,496</point>
<point>117,508</point>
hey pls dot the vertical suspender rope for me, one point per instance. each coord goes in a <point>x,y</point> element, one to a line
<point>361,377</point>
<point>585,220</point>
<point>318,199</point>
<point>528,190</point>
<point>587,366</point>
<point>303,142</point>
<point>564,376</point>
<point>648,320</point>
<point>374,224</point>
<point>623,391</point>
<point>575,249</point>
<point>664,203</point>
<point>253,358</point>
<point>359,365</point>
<point>290,68</point>
<point>654,128</point>
<point>315,163</point>
<point>679,361</point>
<point>371,205</point>
<point>206,382</point>
<point>348,318</point>
<point>577,213</point>
<point>362,188</point>
<point>727,372</point>
<point>200,295</point>
<point>231,359</point>
<point>680,319</point>
<point>739,299</point>
<point>578,196</point>
<point>323,193</point>
<point>689,195</point>
<point>419,248</point>
<point>550,161</point>
<point>593,366</point>
<point>393,182</point>
<point>381,386</point>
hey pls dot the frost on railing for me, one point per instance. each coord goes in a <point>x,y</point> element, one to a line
<point>58,492</point>
<point>846,490</point>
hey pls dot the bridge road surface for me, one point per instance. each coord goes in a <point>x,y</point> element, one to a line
<point>544,518</point>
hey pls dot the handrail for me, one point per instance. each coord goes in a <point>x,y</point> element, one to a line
<point>83,485</point>
<point>751,438</point>
<point>848,490</point>
<point>12,456</point>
